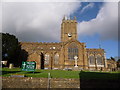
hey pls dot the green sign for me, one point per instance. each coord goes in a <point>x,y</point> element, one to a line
<point>28,66</point>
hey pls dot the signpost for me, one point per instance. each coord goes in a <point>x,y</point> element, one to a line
<point>28,66</point>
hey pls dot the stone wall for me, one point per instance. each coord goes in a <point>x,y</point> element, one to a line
<point>29,82</point>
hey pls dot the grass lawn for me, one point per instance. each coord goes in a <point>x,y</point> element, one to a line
<point>62,74</point>
<point>41,73</point>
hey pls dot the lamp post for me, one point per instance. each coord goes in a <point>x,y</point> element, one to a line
<point>75,57</point>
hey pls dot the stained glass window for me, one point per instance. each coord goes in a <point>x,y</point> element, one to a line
<point>99,60</point>
<point>91,60</point>
<point>56,58</point>
<point>72,51</point>
<point>46,58</point>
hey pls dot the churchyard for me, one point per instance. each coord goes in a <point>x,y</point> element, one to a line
<point>16,78</point>
<point>39,73</point>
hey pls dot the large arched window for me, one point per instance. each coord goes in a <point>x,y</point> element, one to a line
<point>47,56</point>
<point>99,59</point>
<point>72,51</point>
<point>56,58</point>
<point>91,60</point>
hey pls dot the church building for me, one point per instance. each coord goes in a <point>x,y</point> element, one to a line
<point>69,53</point>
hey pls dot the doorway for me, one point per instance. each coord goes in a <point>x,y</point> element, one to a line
<point>42,61</point>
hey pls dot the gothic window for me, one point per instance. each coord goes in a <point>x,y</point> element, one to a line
<point>109,65</point>
<point>72,51</point>
<point>91,60</point>
<point>56,58</point>
<point>99,60</point>
<point>47,56</point>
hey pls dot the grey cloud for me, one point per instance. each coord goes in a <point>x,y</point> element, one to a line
<point>36,21</point>
<point>119,20</point>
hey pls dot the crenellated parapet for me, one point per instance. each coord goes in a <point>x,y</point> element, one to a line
<point>40,46</point>
<point>95,51</point>
<point>40,43</point>
<point>69,20</point>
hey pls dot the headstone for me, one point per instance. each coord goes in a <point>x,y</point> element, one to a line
<point>17,75</point>
<point>10,66</point>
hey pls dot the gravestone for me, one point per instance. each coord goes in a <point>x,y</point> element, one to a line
<point>16,75</point>
<point>10,65</point>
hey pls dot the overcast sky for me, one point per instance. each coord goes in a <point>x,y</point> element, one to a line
<point>40,21</point>
<point>36,21</point>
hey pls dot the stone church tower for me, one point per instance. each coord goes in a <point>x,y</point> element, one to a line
<point>61,55</point>
<point>68,29</point>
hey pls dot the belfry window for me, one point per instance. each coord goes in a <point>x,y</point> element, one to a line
<point>91,60</point>
<point>56,58</point>
<point>72,51</point>
<point>46,58</point>
<point>99,59</point>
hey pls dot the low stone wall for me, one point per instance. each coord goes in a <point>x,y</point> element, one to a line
<point>29,82</point>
